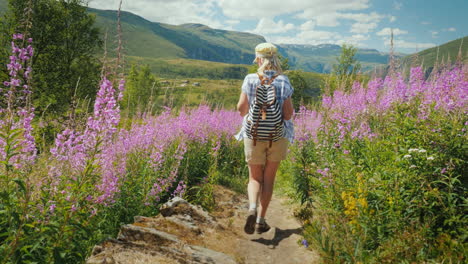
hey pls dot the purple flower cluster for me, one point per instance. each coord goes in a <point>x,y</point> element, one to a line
<point>325,177</point>
<point>151,138</point>
<point>76,151</point>
<point>306,124</point>
<point>148,138</point>
<point>349,113</point>
<point>18,114</point>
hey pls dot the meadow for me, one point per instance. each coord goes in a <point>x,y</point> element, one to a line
<point>379,170</point>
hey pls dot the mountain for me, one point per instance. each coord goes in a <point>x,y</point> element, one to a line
<point>448,51</point>
<point>143,38</point>
<point>320,58</point>
<point>196,41</point>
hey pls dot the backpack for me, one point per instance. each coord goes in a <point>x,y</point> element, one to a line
<point>265,118</point>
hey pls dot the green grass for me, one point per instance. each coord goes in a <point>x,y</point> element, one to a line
<point>187,68</point>
<point>222,93</point>
<point>216,93</point>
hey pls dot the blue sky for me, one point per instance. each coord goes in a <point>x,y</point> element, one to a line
<point>416,24</point>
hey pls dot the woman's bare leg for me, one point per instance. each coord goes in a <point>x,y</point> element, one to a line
<point>269,174</point>
<point>255,182</point>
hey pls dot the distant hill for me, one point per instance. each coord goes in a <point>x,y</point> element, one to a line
<point>320,58</point>
<point>448,51</point>
<point>191,41</point>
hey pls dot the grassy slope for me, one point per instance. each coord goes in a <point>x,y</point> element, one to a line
<point>445,51</point>
<point>139,40</point>
<point>158,40</point>
<point>188,68</point>
<point>221,93</point>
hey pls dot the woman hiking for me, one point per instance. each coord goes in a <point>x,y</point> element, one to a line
<point>267,129</point>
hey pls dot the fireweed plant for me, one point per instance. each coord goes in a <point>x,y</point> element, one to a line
<point>381,170</point>
<point>17,147</point>
<point>97,178</point>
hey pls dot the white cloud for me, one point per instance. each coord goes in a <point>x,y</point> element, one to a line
<point>309,25</point>
<point>403,44</point>
<point>387,32</point>
<point>362,17</point>
<point>425,23</point>
<point>311,37</point>
<point>232,22</point>
<point>316,37</point>
<point>171,12</point>
<point>392,19</point>
<point>355,40</point>
<point>268,26</point>
<point>309,9</point>
<point>435,34</point>
<point>361,28</point>
<point>327,20</point>
<point>331,19</point>
<point>397,5</point>
<point>450,29</point>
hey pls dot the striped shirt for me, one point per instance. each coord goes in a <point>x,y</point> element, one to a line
<point>284,90</point>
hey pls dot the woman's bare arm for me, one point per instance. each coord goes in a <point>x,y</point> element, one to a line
<point>288,109</point>
<point>243,105</point>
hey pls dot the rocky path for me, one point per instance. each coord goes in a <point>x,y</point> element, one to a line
<point>184,233</point>
<point>279,245</point>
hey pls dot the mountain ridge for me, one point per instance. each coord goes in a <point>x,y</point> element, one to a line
<point>192,41</point>
<point>201,42</point>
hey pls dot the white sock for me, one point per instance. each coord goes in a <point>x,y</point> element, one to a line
<point>252,207</point>
<point>260,220</point>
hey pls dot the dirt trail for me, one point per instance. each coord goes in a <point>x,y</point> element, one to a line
<point>184,233</point>
<point>279,245</point>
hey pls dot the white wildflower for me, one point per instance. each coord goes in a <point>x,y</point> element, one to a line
<point>412,166</point>
<point>430,158</point>
<point>422,151</point>
<point>412,150</point>
<point>407,156</point>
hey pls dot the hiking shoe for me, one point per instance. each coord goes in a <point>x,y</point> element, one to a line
<point>262,227</point>
<point>249,227</point>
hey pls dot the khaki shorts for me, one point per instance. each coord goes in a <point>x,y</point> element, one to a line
<point>262,152</point>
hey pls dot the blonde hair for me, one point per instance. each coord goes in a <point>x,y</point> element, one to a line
<point>269,63</point>
<point>268,54</point>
